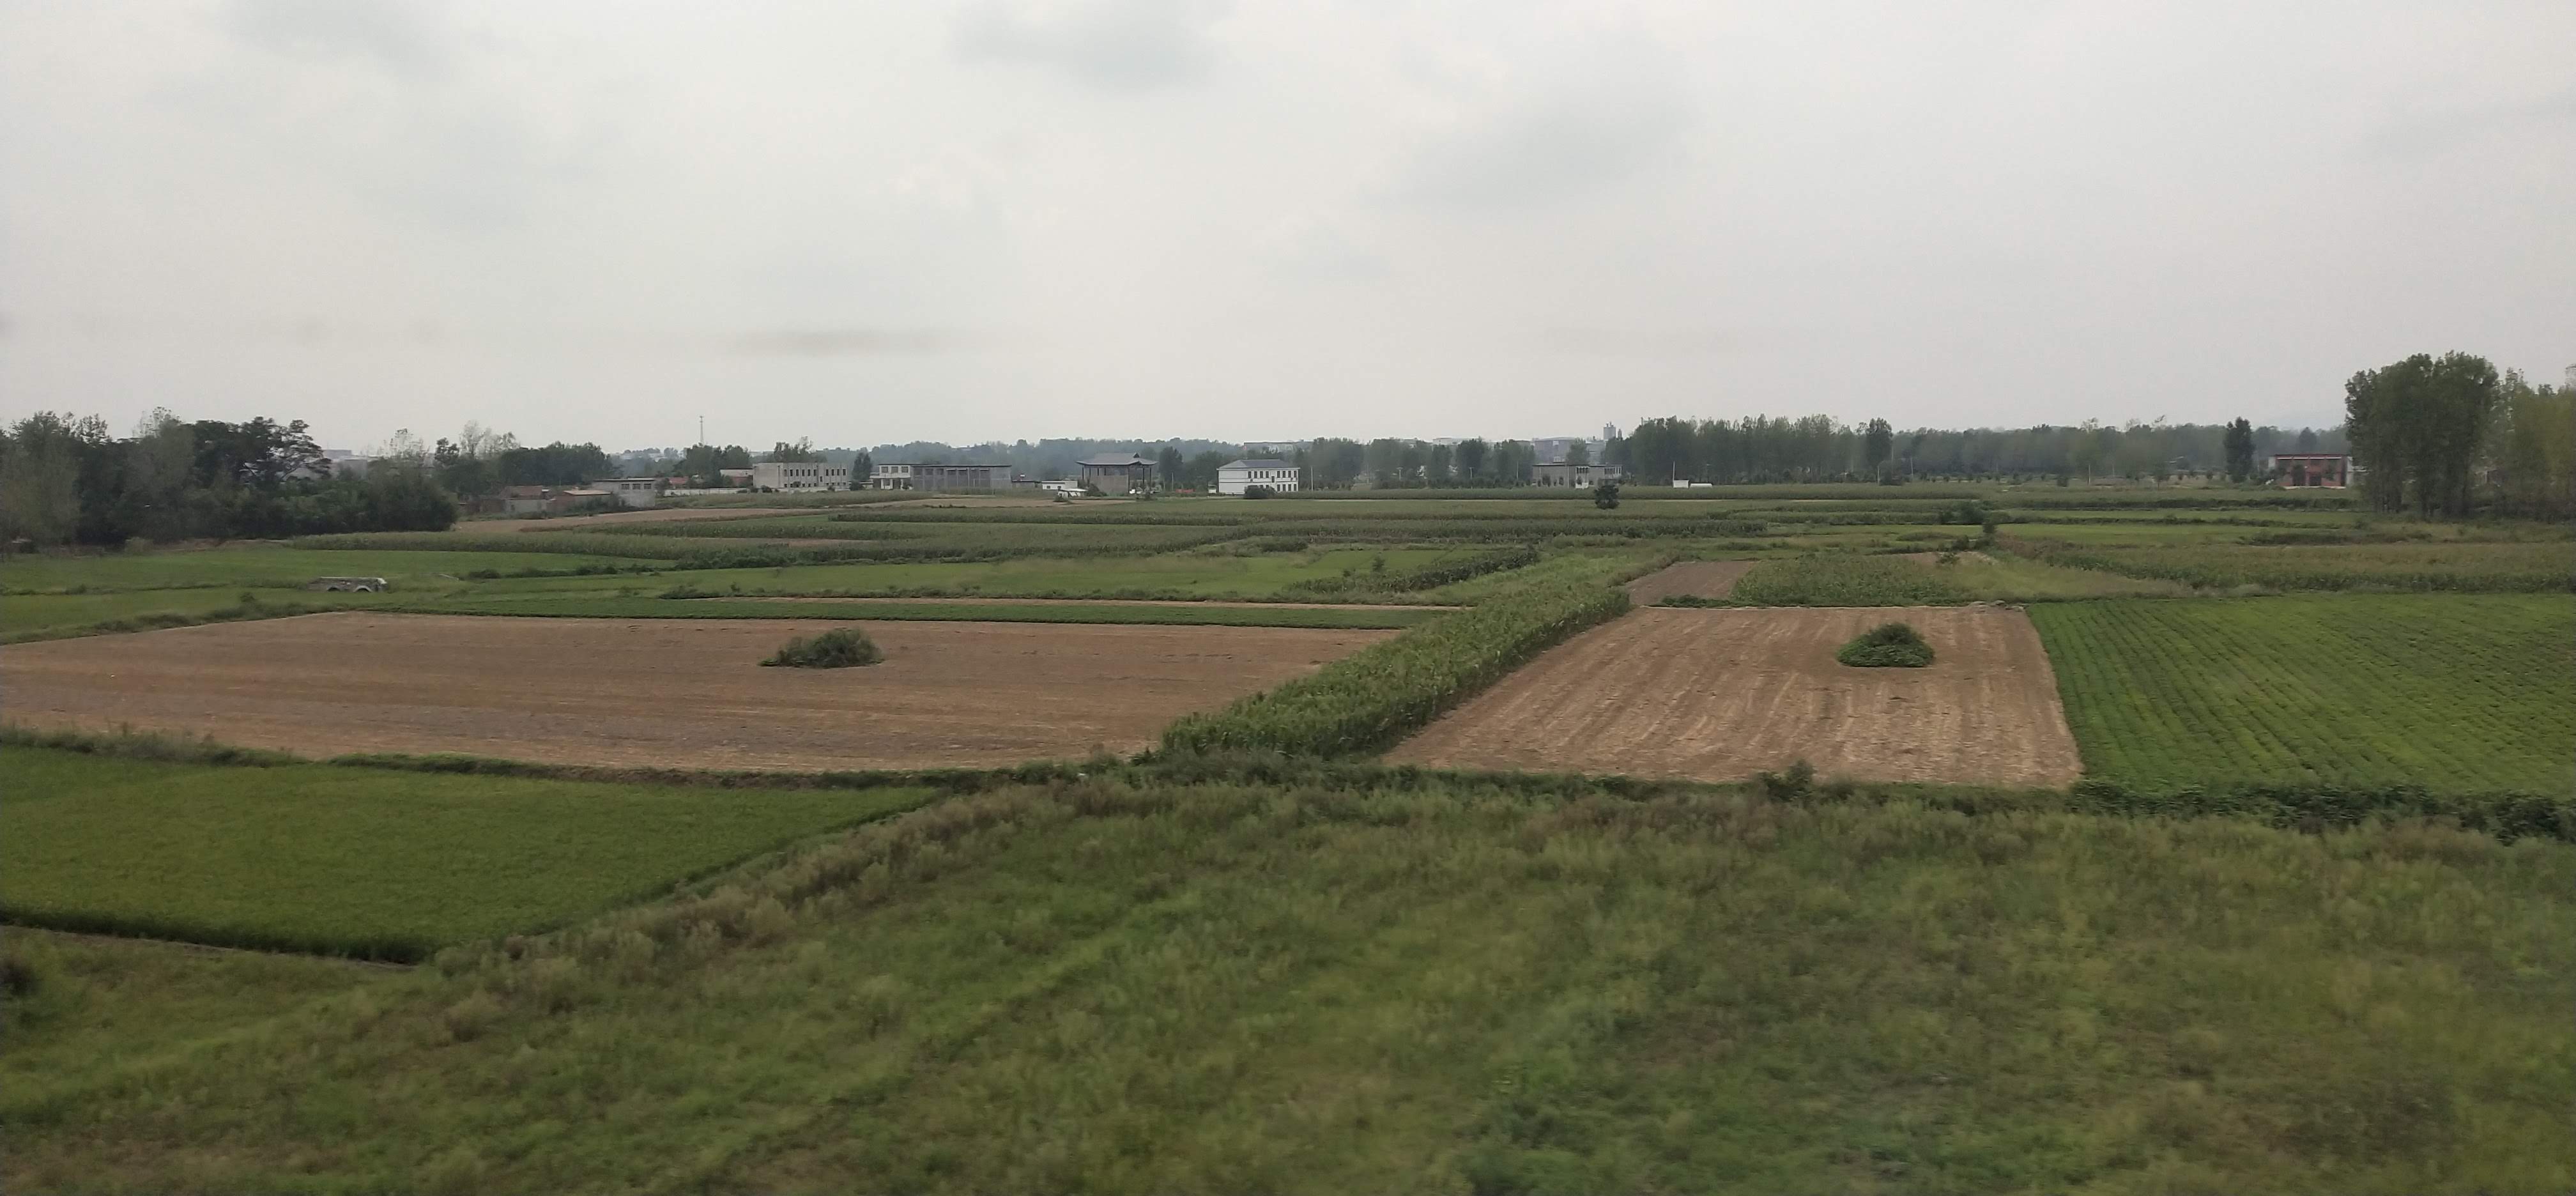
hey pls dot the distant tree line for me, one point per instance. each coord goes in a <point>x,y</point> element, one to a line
<point>1817,448</point>
<point>67,480</point>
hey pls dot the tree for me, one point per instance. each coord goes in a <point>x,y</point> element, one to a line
<point>2416,426</point>
<point>40,479</point>
<point>1606,496</point>
<point>1511,462</point>
<point>1614,451</point>
<point>1436,462</point>
<point>1878,442</point>
<point>1470,455</point>
<point>1578,453</point>
<point>1200,473</point>
<point>1173,468</point>
<point>800,450</point>
<point>862,464</point>
<point>2240,449</point>
<point>556,464</point>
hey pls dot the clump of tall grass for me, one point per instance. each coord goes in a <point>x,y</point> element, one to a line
<point>839,648</point>
<point>1887,646</point>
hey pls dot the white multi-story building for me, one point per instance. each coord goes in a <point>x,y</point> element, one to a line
<point>901,475</point>
<point>630,492</point>
<point>799,475</point>
<point>1280,476</point>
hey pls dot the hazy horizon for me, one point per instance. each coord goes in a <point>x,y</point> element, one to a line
<point>1248,220</point>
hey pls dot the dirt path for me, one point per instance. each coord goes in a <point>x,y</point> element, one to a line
<point>1698,579</point>
<point>658,692</point>
<point>1723,694</point>
<point>974,601</point>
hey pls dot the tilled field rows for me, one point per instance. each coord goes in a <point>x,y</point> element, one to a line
<point>1722,694</point>
<point>657,692</point>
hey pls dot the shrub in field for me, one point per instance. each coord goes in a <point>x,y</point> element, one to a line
<point>1887,646</point>
<point>1844,579</point>
<point>1370,698</point>
<point>1606,496</point>
<point>1258,491</point>
<point>839,648</point>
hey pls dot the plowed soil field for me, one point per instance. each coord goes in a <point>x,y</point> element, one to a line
<point>1696,579</point>
<point>1723,694</point>
<point>654,692</point>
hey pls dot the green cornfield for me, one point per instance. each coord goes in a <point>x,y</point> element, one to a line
<point>1844,579</point>
<point>2457,692</point>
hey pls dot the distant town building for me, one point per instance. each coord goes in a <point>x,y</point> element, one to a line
<point>2304,470</point>
<point>1117,473</point>
<point>1233,476</point>
<point>799,475</point>
<point>1559,473</point>
<point>906,475</point>
<point>629,492</point>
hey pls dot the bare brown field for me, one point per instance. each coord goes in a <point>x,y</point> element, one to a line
<point>682,693</point>
<point>1722,694</point>
<point>1696,579</point>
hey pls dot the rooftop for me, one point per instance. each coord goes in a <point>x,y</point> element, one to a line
<point>1116,459</point>
<point>1259,463</point>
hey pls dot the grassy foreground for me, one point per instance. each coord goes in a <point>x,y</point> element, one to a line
<point>1097,986</point>
<point>361,862</point>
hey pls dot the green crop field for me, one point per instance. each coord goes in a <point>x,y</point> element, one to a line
<point>267,565</point>
<point>2455,692</point>
<point>360,861</point>
<point>1241,987</point>
<point>2525,566</point>
<point>1845,579</point>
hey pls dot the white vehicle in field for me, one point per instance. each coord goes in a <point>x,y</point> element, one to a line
<point>349,585</point>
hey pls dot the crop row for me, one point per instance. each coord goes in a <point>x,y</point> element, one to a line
<point>1844,579</point>
<point>1424,577</point>
<point>2456,693</point>
<point>1188,614</point>
<point>2458,566</point>
<point>1369,699</point>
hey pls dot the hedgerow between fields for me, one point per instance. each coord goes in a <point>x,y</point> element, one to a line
<point>1368,699</point>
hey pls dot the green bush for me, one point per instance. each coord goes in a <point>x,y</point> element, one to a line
<point>1887,646</point>
<point>1372,697</point>
<point>839,648</point>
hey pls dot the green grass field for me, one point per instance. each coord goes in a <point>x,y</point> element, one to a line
<point>1211,575</point>
<point>1224,988</point>
<point>266,565</point>
<point>2512,566</point>
<point>363,862</point>
<point>2453,692</point>
<point>1845,579</point>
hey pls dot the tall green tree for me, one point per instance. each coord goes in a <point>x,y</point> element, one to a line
<point>799,450</point>
<point>1578,453</point>
<point>1878,443</point>
<point>1172,466</point>
<point>2416,427</point>
<point>1470,455</point>
<point>2240,449</point>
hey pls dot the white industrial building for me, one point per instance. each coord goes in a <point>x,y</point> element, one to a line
<point>629,492</point>
<point>799,475</point>
<point>903,475</point>
<point>1280,476</point>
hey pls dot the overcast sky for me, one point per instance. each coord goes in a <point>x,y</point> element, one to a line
<point>878,222</point>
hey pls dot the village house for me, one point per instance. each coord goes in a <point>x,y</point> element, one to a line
<point>1233,476</point>
<point>1117,473</point>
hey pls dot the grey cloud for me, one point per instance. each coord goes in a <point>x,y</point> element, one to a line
<point>1119,45</point>
<point>2464,128</point>
<point>392,34</point>
<point>1548,150</point>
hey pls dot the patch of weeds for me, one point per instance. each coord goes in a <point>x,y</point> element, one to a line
<point>1887,646</point>
<point>839,648</point>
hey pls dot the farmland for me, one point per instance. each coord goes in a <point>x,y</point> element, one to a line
<point>1724,694</point>
<point>347,861</point>
<point>970,693</point>
<point>1335,842</point>
<point>2469,692</point>
<point>1215,987</point>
